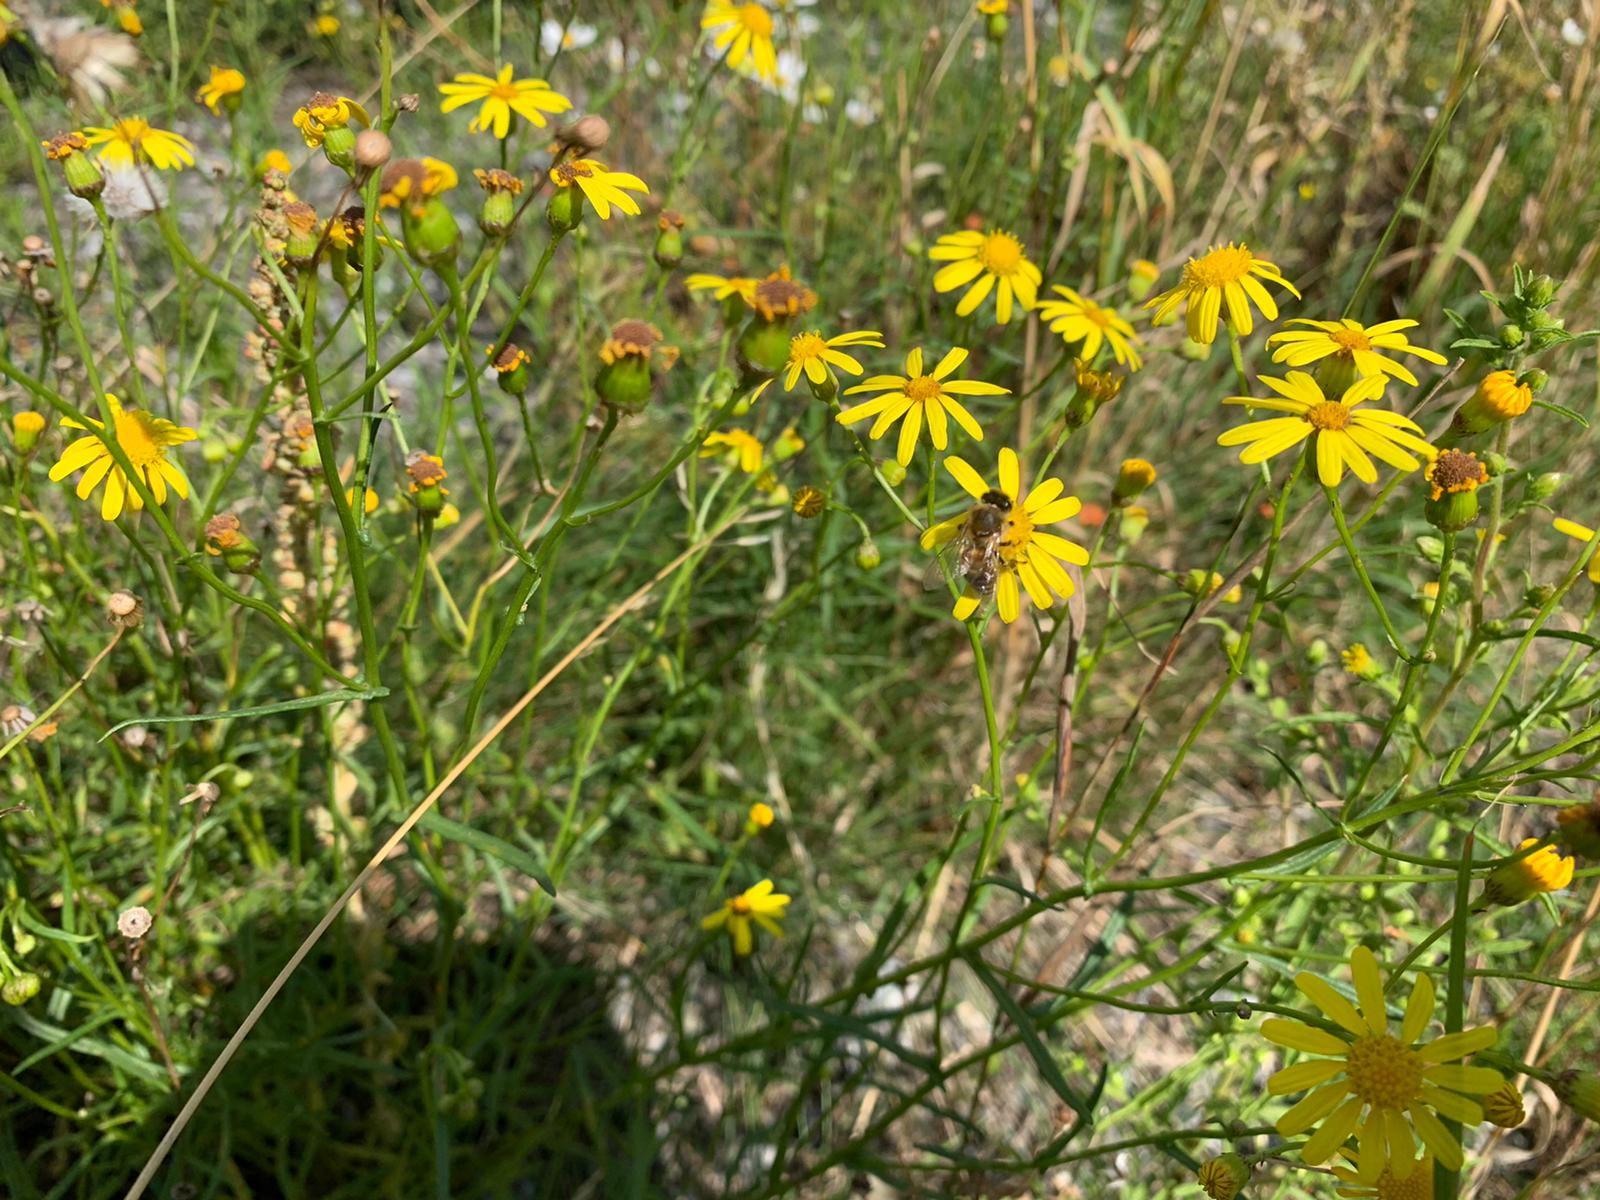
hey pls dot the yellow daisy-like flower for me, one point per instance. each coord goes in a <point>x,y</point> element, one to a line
<point>1583,534</point>
<point>274,160</point>
<point>1221,284</point>
<point>1078,319</point>
<point>916,396</point>
<point>758,905</point>
<point>224,87</point>
<point>744,31</point>
<point>136,140</point>
<point>600,187</point>
<point>990,262</point>
<point>1028,555</point>
<point>415,179</point>
<point>325,111</point>
<point>1384,1089</point>
<point>994,8</point>
<point>1542,871</point>
<point>1416,1184</point>
<point>324,26</point>
<point>815,357</point>
<point>1345,434</point>
<point>144,439</point>
<point>1353,343</point>
<point>502,96</point>
<point>735,446</point>
<point>723,286</point>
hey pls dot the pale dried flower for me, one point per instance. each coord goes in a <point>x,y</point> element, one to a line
<point>125,610</point>
<point>134,922</point>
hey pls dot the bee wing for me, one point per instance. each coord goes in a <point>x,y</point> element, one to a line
<point>945,566</point>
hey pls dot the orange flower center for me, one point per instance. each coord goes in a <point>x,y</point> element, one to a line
<point>1330,414</point>
<point>740,906</point>
<point>133,435</point>
<point>504,91</point>
<point>1384,1073</point>
<point>924,389</point>
<point>1000,253</point>
<point>1096,315</point>
<point>1351,339</point>
<point>806,346</point>
<point>1217,268</point>
<point>755,19</point>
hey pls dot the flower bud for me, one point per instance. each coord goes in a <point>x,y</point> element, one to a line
<point>1142,276</point>
<point>1544,870</point>
<point>1580,1093</point>
<point>1578,828</point>
<point>1135,520</point>
<point>339,147</point>
<point>511,369</point>
<point>760,817</point>
<point>26,429</point>
<point>564,211</point>
<point>765,344</point>
<point>225,539</point>
<point>1540,291</point>
<point>1454,477</point>
<point>995,26</point>
<point>1503,1107</point>
<point>1133,477</point>
<point>1499,398</point>
<point>372,149</point>
<point>305,234</point>
<point>1511,336</point>
<point>430,232</point>
<point>868,556</point>
<point>893,473</point>
<point>788,444</point>
<point>1534,380</point>
<point>19,989</point>
<point>625,379</point>
<point>808,502</point>
<point>1544,486</point>
<point>84,178</point>
<point>586,135</point>
<point>499,202</point>
<point>668,250</point>
<point>1221,1178</point>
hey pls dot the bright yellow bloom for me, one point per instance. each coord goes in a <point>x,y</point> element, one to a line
<point>1028,555</point>
<point>1078,319</point>
<point>136,140</point>
<point>994,8</point>
<point>735,446</point>
<point>502,96</point>
<point>600,187</point>
<point>224,86</point>
<point>1344,434</point>
<point>1499,397</point>
<point>1399,1083</point>
<point>991,262</point>
<point>758,905</point>
<point>325,25</point>
<point>325,111</point>
<point>723,286</point>
<point>915,396</point>
<point>1221,284</point>
<point>1353,343</point>
<point>369,502</point>
<point>1357,660</point>
<point>416,179</point>
<point>1417,1183</point>
<point>744,31</point>
<point>1533,874</point>
<point>1583,534</point>
<point>144,439</point>
<point>815,357</point>
<point>761,817</point>
<point>274,160</point>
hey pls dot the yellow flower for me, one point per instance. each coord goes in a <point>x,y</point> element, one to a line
<point>744,31</point>
<point>136,140</point>
<point>1223,280</point>
<point>991,262</point>
<point>1544,870</point>
<point>735,446</point>
<point>224,87</point>
<point>1399,1083</point>
<point>1344,434</point>
<point>994,8</point>
<point>325,25</point>
<point>915,396</point>
<point>1133,477</point>
<point>1078,319</point>
<point>1583,534</point>
<point>502,96</point>
<point>758,905</point>
<point>274,160</point>
<point>325,111</point>
<point>761,817</point>
<point>1353,343</point>
<point>1028,555</point>
<point>815,357</point>
<point>1415,1184</point>
<point>144,439</point>
<point>1499,397</point>
<point>415,179</point>
<point>723,286</point>
<point>600,187</point>
<point>369,502</point>
<point>1357,660</point>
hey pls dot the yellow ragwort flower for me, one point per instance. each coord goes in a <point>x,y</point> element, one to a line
<point>743,31</point>
<point>600,187</point>
<point>1078,319</point>
<point>1357,660</point>
<point>325,111</point>
<point>1544,870</point>
<point>916,397</point>
<point>1221,284</point>
<point>502,96</point>
<point>1361,346</point>
<point>1383,1089</point>
<point>135,140</point>
<point>990,262</point>
<point>223,88</point>
<point>722,286</point>
<point>1583,534</point>
<point>1344,435</point>
<point>1027,554</point>
<point>735,446</point>
<point>145,439</point>
<point>274,160</point>
<point>1415,1184</point>
<point>816,357</point>
<point>758,905</point>
<point>324,26</point>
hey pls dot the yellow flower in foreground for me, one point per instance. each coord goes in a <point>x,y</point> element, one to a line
<point>1416,1184</point>
<point>502,96</point>
<point>723,286</point>
<point>991,262</point>
<point>915,396</point>
<point>735,446</point>
<point>325,111</point>
<point>1078,319</point>
<point>758,905</point>
<point>1344,434</point>
<point>744,31</point>
<point>994,8</point>
<point>1220,284</point>
<point>602,188</point>
<point>1358,345</point>
<point>815,357</point>
<point>136,140</point>
<point>1027,554</point>
<point>1531,875</point>
<point>1382,1088</point>
<point>223,88</point>
<point>1583,534</point>
<point>144,439</point>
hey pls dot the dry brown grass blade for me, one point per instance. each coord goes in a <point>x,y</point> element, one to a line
<point>192,1105</point>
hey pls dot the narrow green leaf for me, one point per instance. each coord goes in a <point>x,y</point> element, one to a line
<point>486,843</point>
<point>1037,1050</point>
<point>320,700</point>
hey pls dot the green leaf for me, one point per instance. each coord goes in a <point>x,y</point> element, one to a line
<point>486,843</point>
<point>1037,1050</point>
<point>1563,410</point>
<point>320,700</point>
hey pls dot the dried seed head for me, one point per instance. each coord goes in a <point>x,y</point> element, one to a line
<point>588,134</point>
<point>408,103</point>
<point>134,923</point>
<point>125,610</point>
<point>372,149</point>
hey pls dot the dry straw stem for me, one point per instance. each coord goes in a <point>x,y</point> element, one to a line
<point>65,696</point>
<point>192,1104</point>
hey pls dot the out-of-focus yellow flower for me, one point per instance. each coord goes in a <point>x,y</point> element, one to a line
<point>1078,319</point>
<point>530,99</point>
<point>144,439</point>
<point>415,179</point>
<point>990,262</point>
<point>743,31</point>
<point>1581,533</point>
<point>369,504</point>
<point>223,89</point>
<point>722,286</point>
<point>324,25</point>
<point>760,817</point>
<point>1533,874</point>
<point>1220,285</point>
<point>758,905</point>
<point>735,446</point>
<point>135,140</point>
<point>274,160</point>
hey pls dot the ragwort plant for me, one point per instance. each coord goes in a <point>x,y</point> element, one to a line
<point>727,626</point>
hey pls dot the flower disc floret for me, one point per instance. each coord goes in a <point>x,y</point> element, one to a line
<point>1221,285</point>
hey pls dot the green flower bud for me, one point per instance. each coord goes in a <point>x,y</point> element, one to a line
<point>625,379</point>
<point>789,444</point>
<point>84,179</point>
<point>511,369</point>
<point>1540,291</point>
<point>1537,596</point>
<point>868,556</point>
<point>1142,276</point>
<point>893,473</point>
<point>1511,336</point>
<point>564,211</point>
<point>668,250</point>
<point>26,429</point>
<point>430,232</point>
<point>1542,322</point>
<point>501,189</point>
<point>765,344</point>
<point>339,147</point>
<point>19,989</point>
<point>1544,486</point>
<point>1534,380</point>
<point>1135,520</point>
<point>995,26</point>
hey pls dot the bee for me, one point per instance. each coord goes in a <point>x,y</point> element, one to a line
<point>975,552</point>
